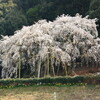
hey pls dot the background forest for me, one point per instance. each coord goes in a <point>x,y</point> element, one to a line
<point>16,13</point>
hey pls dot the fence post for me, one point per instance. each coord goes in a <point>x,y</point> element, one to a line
<point>55,97</point>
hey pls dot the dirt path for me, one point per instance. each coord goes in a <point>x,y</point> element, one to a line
<point>32,96</point>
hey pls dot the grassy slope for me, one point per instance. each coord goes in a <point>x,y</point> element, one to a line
<point>47,93</point>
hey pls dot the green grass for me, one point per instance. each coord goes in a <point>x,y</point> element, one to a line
<point>61,88</point>
<point>89,92</point>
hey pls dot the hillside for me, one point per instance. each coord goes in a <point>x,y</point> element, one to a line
<point>16,13</point>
